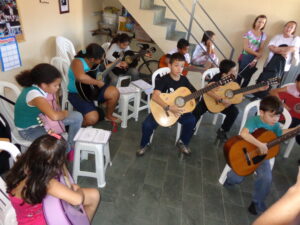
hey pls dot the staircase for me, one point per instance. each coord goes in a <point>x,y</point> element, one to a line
<point>166,21</point>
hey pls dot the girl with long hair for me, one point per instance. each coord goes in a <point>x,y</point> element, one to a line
<point>34,175</point>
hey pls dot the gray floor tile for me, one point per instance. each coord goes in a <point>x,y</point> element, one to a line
<point>172,191</point>
<point>192,181</point>
<point>155,173</point>
<point>169,216</point>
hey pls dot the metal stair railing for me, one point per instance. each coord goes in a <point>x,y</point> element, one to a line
<point>192,19</point>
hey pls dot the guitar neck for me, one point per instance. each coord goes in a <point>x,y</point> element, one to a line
<point>284,137</point>
<point>200,92</point>
<point>106,71</point>
<point>249,88</point>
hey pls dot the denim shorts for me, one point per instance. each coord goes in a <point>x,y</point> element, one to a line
<point>83,106</point>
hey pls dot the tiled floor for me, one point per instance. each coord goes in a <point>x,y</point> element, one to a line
<point>162,189</point>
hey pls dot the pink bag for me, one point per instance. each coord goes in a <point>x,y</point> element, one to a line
<point>56,126</point>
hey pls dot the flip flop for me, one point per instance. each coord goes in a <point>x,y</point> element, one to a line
<point>117,120</point>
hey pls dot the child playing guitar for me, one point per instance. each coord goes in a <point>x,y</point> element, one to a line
<point>290,95</point>
<point>270,110</point>
<point>167,84</point>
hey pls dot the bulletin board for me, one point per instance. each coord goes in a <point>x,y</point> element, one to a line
<point>10,24</point>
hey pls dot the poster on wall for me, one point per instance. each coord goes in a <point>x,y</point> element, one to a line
<point>64,6</point>
<point>9,53</point>
<point>10,24</point>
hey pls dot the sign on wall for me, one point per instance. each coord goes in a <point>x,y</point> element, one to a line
<point>9,53</point>
<point>10,24</point>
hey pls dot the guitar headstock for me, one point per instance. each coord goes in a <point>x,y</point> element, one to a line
<point>226,79</point>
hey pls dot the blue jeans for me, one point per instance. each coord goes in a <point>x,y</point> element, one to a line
<point>74,121</point>
<point>188,123</point>
<point>262,184</point>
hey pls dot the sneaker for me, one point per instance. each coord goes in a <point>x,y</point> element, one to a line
<point>182,148</point>
<point>142,151</point>
<point>221,134</point>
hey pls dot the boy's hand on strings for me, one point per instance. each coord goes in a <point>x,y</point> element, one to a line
<point>263,148</point>
<point>175,110</point>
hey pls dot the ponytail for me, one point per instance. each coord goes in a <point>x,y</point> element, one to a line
<point>41,73</point>
<point>93,50</point>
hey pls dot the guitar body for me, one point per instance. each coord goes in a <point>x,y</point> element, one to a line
<point>57,126</point>
<point>59,212</point>
<point>159,113</point>
<point>292,102</point>
<point>87,91</point>
<point>225,93</point>
<point>243,157</point>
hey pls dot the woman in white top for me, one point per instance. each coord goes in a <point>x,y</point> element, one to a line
<point>204,54</point>
<point>291,51</point>
<point>121,44</point>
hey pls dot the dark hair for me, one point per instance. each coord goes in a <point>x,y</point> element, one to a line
<point>298,78</point>
<point>41,73</point>
<point>120,38</point>
<point>207,35</point>
<point>43,161</point>
<point>226,65</point>
<point>182,43</point>
<point>92,51</point>
<point>177,57</point>
<point>259,17</point>
<point>294,22</point>
<point>168,56</point>
<point>271,104</point>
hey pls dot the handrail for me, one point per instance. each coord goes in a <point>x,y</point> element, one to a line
<point>232,52</point>
<point>192,18</point>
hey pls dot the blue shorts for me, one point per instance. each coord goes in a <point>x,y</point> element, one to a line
<point>83,106</point>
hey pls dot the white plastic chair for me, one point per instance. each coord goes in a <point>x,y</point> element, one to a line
<point>251,105</point>
<point>8,112</point>
<point>7,212</point>
<point>292,141</point>
<point>210,73</point>
<point>65,49</point>
<point>63,66</point>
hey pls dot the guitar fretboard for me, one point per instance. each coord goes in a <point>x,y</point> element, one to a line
<point>200,92</point>
<point>284,137</point>
<point>249,88</point>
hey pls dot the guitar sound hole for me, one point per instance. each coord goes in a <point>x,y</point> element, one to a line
<point>229,93</point>
<point>179,102</point>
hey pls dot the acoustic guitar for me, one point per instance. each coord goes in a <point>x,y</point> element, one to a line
<point>59,212</point>
<point>292,102</point>
<point>182,98</point>
<point>90,92</point>
<point>233,93</point>
<point>132,58</point>
<point>244,158</point>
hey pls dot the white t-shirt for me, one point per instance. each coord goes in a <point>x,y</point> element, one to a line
<point>186,55</point>
<point>114,48</point>
<point>292,41</point>
<point>34,94</point>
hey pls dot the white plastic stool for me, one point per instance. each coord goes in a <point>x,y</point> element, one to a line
<point>124,106</point>
<point>102,159</point>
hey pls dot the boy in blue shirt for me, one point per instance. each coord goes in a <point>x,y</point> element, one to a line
<point>270,109</point>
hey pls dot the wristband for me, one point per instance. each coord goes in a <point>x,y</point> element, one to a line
<point>220,100</point>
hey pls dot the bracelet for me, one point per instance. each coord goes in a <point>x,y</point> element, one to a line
<point>220,100</point>
<point>167,108</point>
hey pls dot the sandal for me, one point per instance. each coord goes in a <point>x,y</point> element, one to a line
<point>117,120</point>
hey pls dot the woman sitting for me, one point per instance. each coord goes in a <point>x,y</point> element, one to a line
<point>83,62</point>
